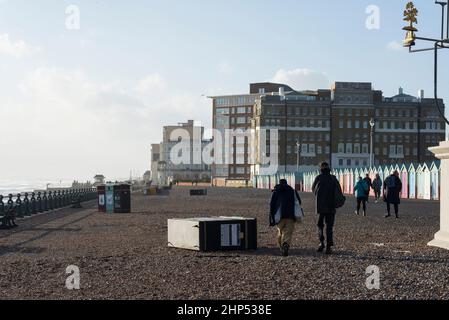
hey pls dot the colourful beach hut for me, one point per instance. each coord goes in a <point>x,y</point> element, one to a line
<point>412,182</point>
<point>420,182</point>
<point>347,183</point>
<point>435,181</point>
<point>427,186</point>
<point>404,177</point>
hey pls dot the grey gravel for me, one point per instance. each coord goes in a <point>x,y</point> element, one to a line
<point>126,256</point>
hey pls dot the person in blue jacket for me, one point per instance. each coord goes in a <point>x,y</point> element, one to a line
<point>361,190</point>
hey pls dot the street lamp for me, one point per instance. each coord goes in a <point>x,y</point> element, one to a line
<point>372,124</point>
<point>298,154</point>
<point>410,15</point>
<point>442,237</point>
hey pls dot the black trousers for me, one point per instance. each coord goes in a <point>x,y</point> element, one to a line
<point>361,201</point>
<point>396,208</point>
<point>377,194</point>
<point>329,220</point>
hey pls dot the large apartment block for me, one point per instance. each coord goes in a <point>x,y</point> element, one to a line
<point>236,112</point>
<point>189,141</point>
<point>327,125</point>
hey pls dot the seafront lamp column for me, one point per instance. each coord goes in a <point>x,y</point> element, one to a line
<point>298,154</point>
<point>441,152</point>
<point>372,124</point>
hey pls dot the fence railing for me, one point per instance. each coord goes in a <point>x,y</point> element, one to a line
<point>28,204</point>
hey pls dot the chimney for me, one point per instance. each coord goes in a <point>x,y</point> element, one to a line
<point>281,91</point>
<point>421,94</point>
<point>401,90</point>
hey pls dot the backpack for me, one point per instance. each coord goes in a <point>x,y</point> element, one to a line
<point>339,198</point>
<point>391,182</point>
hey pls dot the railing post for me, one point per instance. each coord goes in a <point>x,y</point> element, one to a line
<point>33,203</point>
<point>45,201</point>
<point>19,207</point>
<point>51,204</point>
<point>26,205</point>
<point>39,203</point>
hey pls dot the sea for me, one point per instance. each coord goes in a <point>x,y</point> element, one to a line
<point>15,187</point>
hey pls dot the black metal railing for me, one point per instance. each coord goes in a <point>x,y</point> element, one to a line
<point>28,204</point>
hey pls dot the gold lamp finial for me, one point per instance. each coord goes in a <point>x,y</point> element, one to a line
<point>410,15</point>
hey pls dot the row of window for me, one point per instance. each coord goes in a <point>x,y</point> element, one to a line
<point>298,111</point>
<point>303,123</point>
<point>235,101</point>
<point>236,110</point>
<point>355,148</point>
<point>357,124</point>
<point>350,162</point>
<point>308,149</point>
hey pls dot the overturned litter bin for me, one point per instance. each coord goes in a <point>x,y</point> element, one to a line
<point>213,234</point>
<point>198,192</point>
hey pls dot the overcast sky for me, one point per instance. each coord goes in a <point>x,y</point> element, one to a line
<point>76,102</point>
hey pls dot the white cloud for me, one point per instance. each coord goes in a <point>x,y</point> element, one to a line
<point>225,68</point>
<point>70,126</point>
<point>151,84</point>
<point>302,79</point>
<point>395,46</point>
<point>16,49</point>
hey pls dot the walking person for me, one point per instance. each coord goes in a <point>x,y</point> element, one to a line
<point>392,193</point>
<point>360,191</point>
<point>369,182</point>
<point>329,197</point>
<point>377,187</point>
<point>285,211</point>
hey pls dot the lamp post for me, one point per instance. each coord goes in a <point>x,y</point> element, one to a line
<point>298,154</point>
<point>372,124</point>
<point>441,239</point>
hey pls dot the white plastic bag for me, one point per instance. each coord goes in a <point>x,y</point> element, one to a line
<point>299,212</point>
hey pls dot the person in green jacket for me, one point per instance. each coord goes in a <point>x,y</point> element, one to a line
<point>361,190</point>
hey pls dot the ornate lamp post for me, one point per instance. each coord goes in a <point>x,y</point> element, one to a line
<point>442,151</point>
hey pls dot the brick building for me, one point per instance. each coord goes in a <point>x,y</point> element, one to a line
<point>328,125</point>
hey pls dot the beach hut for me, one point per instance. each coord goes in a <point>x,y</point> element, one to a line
<point>412,182</point>
<point>419,182</point>
<point>434,181</point>
<point>403,173</point>
<point>347,183</point>
<point>427,185</point>
<point>387,172</point>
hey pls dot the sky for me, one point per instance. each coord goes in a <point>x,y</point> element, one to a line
<point>86,85</point>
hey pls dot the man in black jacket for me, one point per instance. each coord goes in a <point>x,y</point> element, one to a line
<point>282,214</point>
<point>325,188</point>
<point>392,193</point>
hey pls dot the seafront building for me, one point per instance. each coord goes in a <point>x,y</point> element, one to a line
<point>349,125</point>
<point>192,168</point>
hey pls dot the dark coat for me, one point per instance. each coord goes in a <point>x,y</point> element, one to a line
<point>391,194</point>
<point>377,184</point>
<point>369,182</point>
<point>283,197</point>
<point>324,190</point>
